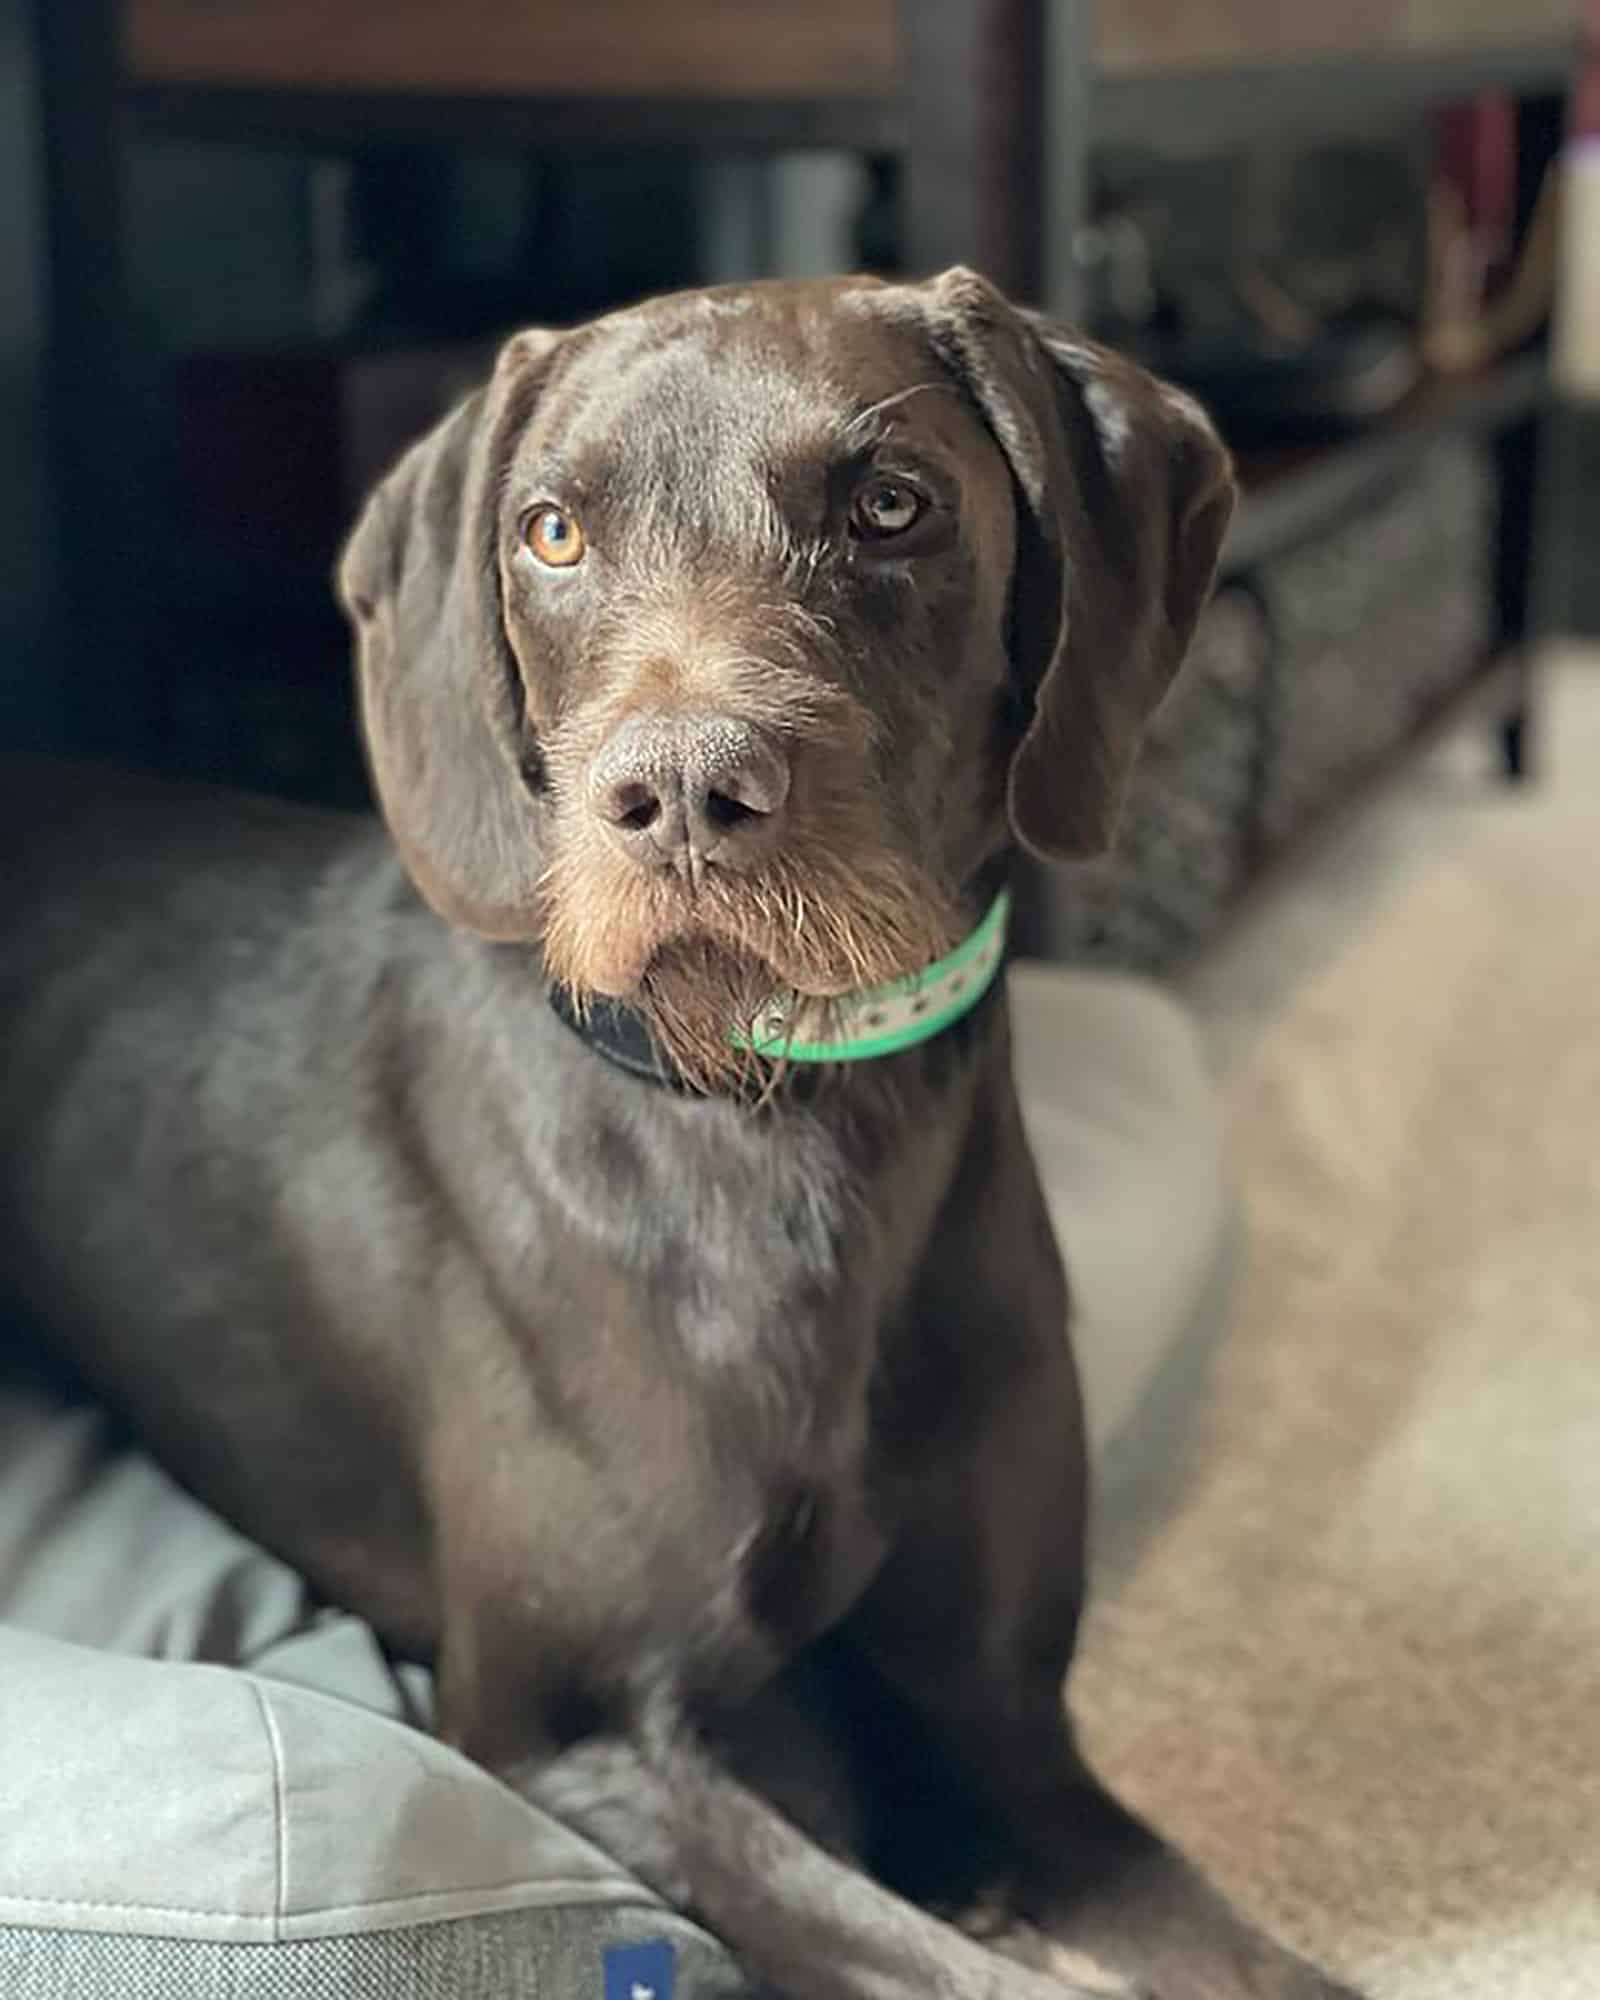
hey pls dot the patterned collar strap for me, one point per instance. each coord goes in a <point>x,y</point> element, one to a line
<point>883,1020</point>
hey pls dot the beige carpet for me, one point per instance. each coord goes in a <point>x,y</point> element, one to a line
<point>1353,1661</point>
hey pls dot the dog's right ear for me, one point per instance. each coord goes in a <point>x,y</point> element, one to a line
<point>441,698</point>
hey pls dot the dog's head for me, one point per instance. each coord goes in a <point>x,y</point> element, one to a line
<point>721,643</point>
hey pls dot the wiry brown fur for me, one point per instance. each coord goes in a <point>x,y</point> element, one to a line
<point>823,917</point>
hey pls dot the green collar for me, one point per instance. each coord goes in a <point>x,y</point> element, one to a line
<point>883,1020</point>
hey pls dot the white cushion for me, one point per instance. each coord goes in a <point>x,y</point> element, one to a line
<point>202,1802</point>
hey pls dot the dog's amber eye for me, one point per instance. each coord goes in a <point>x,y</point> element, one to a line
<point>885,507</point>
<point>555,538</point>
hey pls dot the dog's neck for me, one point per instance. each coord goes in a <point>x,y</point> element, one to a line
<point>864,1026</point>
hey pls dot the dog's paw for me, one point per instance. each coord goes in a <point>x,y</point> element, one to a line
<point>1082,1973</point>
<point>1077,1972</point>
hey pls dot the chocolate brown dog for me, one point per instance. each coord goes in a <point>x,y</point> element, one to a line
<point>679,1367</point>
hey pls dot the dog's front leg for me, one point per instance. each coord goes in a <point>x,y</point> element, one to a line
<point>972,1620</point>
<point>1079,1866</point>
<point>804,1924</point>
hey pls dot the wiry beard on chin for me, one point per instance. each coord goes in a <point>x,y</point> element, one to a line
<point>698,968</point>
<point>693,993</point>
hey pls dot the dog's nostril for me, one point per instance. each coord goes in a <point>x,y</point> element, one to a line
<point>723,810</point>
<point>635,807</point>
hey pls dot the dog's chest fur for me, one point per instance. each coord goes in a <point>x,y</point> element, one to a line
<point>743,1268</point>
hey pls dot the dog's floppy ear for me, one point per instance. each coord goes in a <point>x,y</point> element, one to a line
<point>441,700</point>
<point>1127,493</point>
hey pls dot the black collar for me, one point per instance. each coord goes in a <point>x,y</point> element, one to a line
<point>617,1033</point>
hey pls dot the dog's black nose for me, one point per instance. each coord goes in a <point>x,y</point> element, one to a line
<point>676,791</point>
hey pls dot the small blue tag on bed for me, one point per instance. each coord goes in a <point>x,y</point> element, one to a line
<point>640,1971</point>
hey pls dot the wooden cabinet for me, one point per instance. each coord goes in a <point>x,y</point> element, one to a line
<point>700,49</point>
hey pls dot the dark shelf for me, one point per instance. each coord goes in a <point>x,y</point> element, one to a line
<point>1292,495</point>
<point>1229,106</point>
<point>340,120</point>
<point>1183,110</point>
<point>1492,694</point>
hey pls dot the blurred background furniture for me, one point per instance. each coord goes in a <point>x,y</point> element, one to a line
<point>260,244</point>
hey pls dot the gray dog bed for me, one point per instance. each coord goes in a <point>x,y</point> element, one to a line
<point>211,1786</point>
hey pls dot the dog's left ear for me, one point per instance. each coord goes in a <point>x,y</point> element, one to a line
<point>1127,493</point>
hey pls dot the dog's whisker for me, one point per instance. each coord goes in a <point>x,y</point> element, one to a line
<point>868,420</point>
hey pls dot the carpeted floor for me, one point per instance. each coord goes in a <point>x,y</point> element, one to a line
<point>1351,1661</point>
